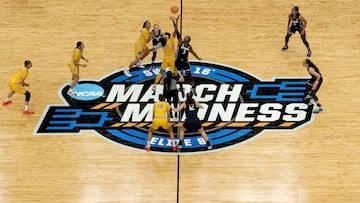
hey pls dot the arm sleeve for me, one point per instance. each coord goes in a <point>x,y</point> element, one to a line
<point>178,35</point>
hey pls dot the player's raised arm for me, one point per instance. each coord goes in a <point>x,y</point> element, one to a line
<point>176,30</point>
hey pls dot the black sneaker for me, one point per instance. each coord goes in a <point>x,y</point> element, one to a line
<point>309,53</point>
<point>151,67</point>
<point>284,47</point>
<point>180,144</point>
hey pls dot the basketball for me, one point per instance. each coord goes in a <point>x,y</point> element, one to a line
<point>174,9</point>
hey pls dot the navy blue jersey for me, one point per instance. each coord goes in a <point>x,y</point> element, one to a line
<point>192,121</point>
<point>183,52</point>
<point>156,38</point>
<point>296,23</point>
<point>191,112</point>
<point>313,78</point>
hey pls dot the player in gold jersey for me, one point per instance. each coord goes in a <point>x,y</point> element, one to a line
<point>141,49</point>
<point>74,65</point>
<point>161,118</point>
<point>17,84</point>
<point>169,52</point>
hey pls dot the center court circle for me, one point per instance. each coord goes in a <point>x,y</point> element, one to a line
<point>237,107</point>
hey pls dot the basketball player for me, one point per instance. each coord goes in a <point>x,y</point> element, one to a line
<point>141,49</point>
<point>17,84</point>
<point>161,118</point>
<point>314,83</point>
<point>298,23</point>
<point>170,89</point>
<point>192,121</point>
<point>169,52</point>
<point>157,36</point>
<point>182,62</point>
<point>74,65</point>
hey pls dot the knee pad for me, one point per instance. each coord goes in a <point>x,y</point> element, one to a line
<point>27,96</point>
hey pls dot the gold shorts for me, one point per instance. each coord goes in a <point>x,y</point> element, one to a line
<point>139,50</point>
<point>16,87</point>
<point>73,68</point>
<point>168,62</point>
<point>160,122</point>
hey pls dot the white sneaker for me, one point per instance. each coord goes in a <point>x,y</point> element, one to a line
<point>174,119</point>
<point>317,109</point>
<point>71,93</point>
<point>127,72</point>
<point>140,65</point>
<point>70,82</point>
<point>312,101</point>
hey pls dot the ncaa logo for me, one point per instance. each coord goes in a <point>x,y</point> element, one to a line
<point>87,92</point>
<point>237,107</point>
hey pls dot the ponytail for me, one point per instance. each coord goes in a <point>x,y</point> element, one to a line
<point>189,99</point>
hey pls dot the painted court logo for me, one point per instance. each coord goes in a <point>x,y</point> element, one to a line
<point>237,107</point>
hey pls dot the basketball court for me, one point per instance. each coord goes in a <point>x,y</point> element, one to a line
<point>317,162</point>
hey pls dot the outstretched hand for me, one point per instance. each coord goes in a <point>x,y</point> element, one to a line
<point>172,18</point>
